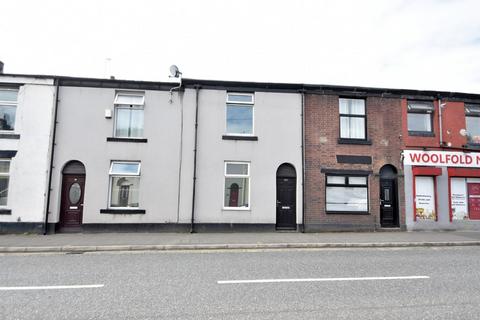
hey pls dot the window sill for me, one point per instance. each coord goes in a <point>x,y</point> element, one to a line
<point>8,154</point>
<point>235,209</point>
<point>5,212</point>
<point>421,134</point>
<point>9,136</point>
<point>361,213</point>
<point>234,137</point>
<point>138,140</point>
<point>123,211</point>
<point>472,145</point>
<point>354,141</point>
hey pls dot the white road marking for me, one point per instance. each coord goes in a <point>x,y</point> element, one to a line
<point>83,286</point>
<point>320,279</point>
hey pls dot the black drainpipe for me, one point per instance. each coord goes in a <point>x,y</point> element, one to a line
<point>302,91</point>
<point>45,226</point>
<point>192,224</point>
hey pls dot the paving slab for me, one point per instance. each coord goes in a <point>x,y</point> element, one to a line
<point>80,242</point>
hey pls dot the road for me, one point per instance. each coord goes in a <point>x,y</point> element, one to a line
<point>287,284</point>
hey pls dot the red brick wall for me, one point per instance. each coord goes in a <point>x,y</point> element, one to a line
<point>453,120</point>
<point>384,127</point>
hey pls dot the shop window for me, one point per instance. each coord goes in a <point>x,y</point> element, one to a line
<point>8,109</point>
<point>472,123</point>
<point>346,194</point>
<point>237,185</point>
<point>425,207</point>
<point>420,117</point>
<point>124,184</point>
<point>4,181</point>
<point>239,113</point>
<point>352,119</point>
<point>465,198</point>
<point>129,108</point>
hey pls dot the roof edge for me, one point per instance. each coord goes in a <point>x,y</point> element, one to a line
<point>251,85</point>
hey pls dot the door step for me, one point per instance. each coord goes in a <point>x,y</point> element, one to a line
<point>69,230</point>
<point>286,230</point>
<point>388,229</point>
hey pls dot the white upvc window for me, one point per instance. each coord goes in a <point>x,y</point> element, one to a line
<point>129,114</point>
<point>420,116</point>
<point>124,184</point>
<point>352,119</point>
<point>8,109</point>
<point>239,113</point>
<point>237,186</point>
<point>472,122</point>
<point>348,194</point>
<point>4,181</point>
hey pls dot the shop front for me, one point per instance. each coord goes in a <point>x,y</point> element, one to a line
<point>442,190</point>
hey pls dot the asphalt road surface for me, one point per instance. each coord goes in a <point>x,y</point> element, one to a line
<point>407,283</point>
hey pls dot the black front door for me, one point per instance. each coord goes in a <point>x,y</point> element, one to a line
<point>286,203</point>
<point>388,203</point>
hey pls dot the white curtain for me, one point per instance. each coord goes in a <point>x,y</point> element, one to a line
<point>129,122</point>
<point>352,127</point>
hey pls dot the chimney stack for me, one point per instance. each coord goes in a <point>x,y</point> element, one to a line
<point>1,67</point>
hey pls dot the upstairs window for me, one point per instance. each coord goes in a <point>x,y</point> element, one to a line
<point>8,108</point>
<point>346,194</point>
<point>237,185</point>
<point>124,184</point>
<point>420,116</point>
<point>352,119</point>
<point>239,111</point>
<point>472,122</point>
<point>129,114</point>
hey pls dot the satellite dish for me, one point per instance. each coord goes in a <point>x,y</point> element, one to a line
<point>174,72</point>
<point>463,132</point>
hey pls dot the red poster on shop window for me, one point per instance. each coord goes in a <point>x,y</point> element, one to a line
<point>474,200</point>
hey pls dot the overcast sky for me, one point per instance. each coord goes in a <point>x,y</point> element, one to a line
<point>399,44</point>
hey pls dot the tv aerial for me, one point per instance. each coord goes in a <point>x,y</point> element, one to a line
<point>175,73</point>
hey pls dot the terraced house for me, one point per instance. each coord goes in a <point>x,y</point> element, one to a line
<point>211,155</point>
<point>27,107</point>
<point>94,155</point>
<point>353,171</point>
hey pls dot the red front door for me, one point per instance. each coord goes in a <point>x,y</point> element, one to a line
<point>71,210</point>
<point>474,200</point>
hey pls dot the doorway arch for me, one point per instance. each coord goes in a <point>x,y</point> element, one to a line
<point>286,197</point>
<point>72,195</point>
<point>389,213</point>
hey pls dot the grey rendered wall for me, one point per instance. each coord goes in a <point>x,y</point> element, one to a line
<point>29,168</point>
<point>443,205</point>
<point>81,135</point>
<point>277,123</point>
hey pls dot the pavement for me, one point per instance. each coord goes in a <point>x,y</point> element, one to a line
<point>91,242</point>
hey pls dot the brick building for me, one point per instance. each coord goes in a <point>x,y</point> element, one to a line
<point>442,161</point>
<point>352,150</point>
